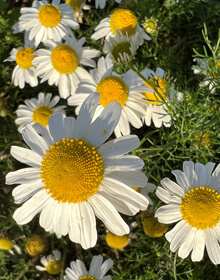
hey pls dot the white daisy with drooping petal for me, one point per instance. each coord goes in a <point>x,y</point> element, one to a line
<point>78,6</point>
<point>123,20</point>
<point>154,103</point>
<point>24,71</point>
<point>73,175</point>
<point>121,48</point>
<point>61,64</point>
<point>193,202</point>
<point>111,86</point>
<point>101,3</point>
<point>97,270</point>
<point>45,21</point>
<point>38,110</point>
<point>203,65</point>
<point>52,263</point>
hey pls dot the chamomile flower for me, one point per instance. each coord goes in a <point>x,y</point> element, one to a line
<point>193,202</point>
<point>111,86</point>
<point>7,245</point>
<point>78,6</point>
<point>52,263</point>
<point>101,3</point>
<point>121,48</point>
<point>150,25</point>
<point>73,177</point>
<point>45,21</point>
<point>61,64</point>
<point>155,108</point>
<point>38,110</point>
<point>97,270</point>
<point>209,69</point>
<point>24,71</point>
<point>123,20</point>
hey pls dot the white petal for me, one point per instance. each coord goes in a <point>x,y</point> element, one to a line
<point>172,187</point>
<point>199,246</point>
<point>56,127</point>
<point>168,214</point>
<point>106,212</point>
<point>22,175</point>
<point>26,156</point>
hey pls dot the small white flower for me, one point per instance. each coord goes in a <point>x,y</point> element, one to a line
<point>38,110</point>
<point>24,71</point>
<point>101,3</point>
<point>45,21</point>
<point>52,263</point>
<point>123,20</point>
<point>155,107</point>
<point>125,89</point>
<point>74,175</point>
<point>61,64</point>
<point>97,270</point>
<point>193,202</point>
<point>121,48</point>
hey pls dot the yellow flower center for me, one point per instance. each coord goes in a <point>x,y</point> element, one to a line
<point>115,241</point>
<point>49,15</point>
<point>41,114</point>
<point>137,189</point>
<point>124,20</point>
<point>24,57</point>
<point>153,228</point>
<point>72,170</point>
<point>150,25</point>
<point>123,47</point>
<point>159,86</point>
<point>64,59</point>
<point>112,88</point>
<point>87,277</point>
<point>201,208</point>
<point>54,267</point>
<point>75,4</point>
<point>36,245</point>
<point>6,244</point>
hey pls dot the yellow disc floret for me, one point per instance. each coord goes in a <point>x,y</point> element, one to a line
<point>54,267</point>
<point>72,170</point>
<point>112,88</point>
<point>87,277</point>
<point>201,208</point>
<point>41,114</point>
<point>6,244</point>
<point>115,241</point>
<point>49,15</point>
<point>75,4</point>
<point>24,57</point>
<point>36,245</point>
<point>153,228</point>
<point>124,20</point>
<point>158,85</point>
<point>64,59</point>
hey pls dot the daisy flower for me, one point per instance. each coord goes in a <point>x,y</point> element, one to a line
<point>121,48</point>
<point>193,202</point>
<point>112,86</point>
<point>78,6</point>
<point>38,110</point>
<point>52,263</point>
<point>155,108</point>
<point>101,3</point>
<point>61,64</point>
<point>97,270</point>
<point>24,71</point>
<point>123,20</point>
<point>73,177</point>
<point>150,25</point>
<point>45,21</point>
<point>8,245</point>
<point>207,67</point>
